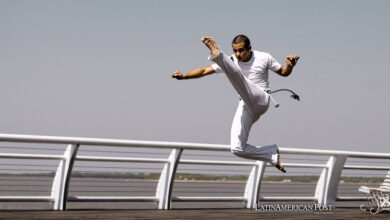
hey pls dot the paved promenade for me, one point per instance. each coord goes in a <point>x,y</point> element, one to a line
<point>338,213</point>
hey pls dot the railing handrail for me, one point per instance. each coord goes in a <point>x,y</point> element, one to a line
<point>173,145</point>
<point>110,142</point>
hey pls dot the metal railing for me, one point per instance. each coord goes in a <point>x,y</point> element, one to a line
<point>325,193</point>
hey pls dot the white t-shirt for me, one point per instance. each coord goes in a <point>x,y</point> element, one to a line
<point>256,69</point>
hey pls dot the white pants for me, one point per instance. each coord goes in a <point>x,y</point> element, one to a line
<point>254,102</point>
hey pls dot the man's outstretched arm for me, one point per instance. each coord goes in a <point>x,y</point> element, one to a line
<point>286,70</point>
<point>196,73</point>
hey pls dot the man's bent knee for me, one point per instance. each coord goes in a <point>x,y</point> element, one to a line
<point>241,153</point>
<point>236,150</point>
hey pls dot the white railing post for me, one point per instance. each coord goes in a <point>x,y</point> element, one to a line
<point>61,180</point>
<point>165,183</point>
<point>328,183</point>
<point>253,185</point>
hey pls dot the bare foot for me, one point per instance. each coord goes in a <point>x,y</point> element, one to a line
<point>278,165</point>
<point>210,43</point>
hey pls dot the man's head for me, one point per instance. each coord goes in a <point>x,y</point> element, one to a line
<point>242,48</point>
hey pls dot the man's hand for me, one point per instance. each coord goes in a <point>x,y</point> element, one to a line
<point>292,60</point>
<point>196,73</point>
<point>177,75</point>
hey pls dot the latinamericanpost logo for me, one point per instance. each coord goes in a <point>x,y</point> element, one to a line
<point>322,208</point>
<point>316,208</point>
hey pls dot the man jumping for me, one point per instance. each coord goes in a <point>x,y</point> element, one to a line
<point>247,71</point>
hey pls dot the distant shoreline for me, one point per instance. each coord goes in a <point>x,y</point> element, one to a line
<point>188,177</point>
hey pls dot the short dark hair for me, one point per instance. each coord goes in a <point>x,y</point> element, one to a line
<point>242,38</point>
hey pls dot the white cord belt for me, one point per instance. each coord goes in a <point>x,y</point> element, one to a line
<point>294,95</point>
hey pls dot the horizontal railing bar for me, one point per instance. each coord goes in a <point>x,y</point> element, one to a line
<point>28,148</point>
<point>303,159</point>
<point>279,198</point>
<point>120,159</point>
<point>348,198</point>
<point>123,180</point>
<point>117,170</point>
<point>25,180</point>
<point>27,165</point>
<point>170,145</point>
<point>365,161</point>
<point>39,170</point>
<point>207,199</point>
<point>85,191</point>
<point>174,199</point>
<point>26,199</point>
<point>109,142</point>
<point>334,153</point>
<point>289,187</point>
<point>112,199</point>
<point>115,167</point>
<point>21,190</point>
<point>126,152</point>
<point>269,172</point>
<point>16,185</point>
<point>276,193</point>
<point>213,162</point>
<point>219,172</point>
<point>301,165</point>
<point>366,168</point>
<point>152,187</point>
<point>208,155</point>
<point>196,192</point>
<point>206,187</point>
<point>206,182</point>
<point>32,156</point>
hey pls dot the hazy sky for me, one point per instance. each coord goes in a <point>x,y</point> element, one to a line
<point>102,69</point>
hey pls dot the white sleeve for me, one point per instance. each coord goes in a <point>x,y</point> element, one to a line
<point>216,68</point>
<point>273,64</point>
